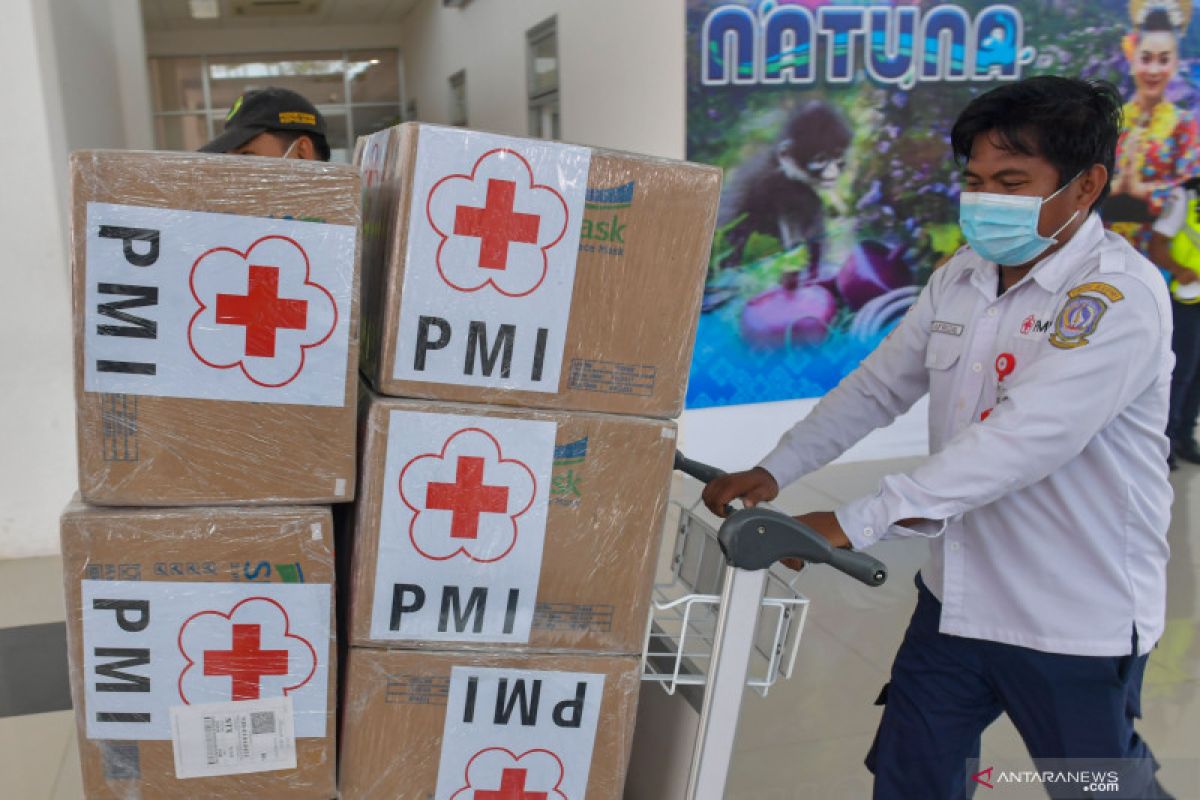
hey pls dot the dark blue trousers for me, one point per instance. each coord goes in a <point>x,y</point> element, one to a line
<point>945,690</point>
<point>1185,380</point>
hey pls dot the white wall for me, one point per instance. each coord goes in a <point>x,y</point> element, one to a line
<point>71,84</point>
<point>133,81</point>
<point>620,67</point>
<point>37,426</point>
<point>92,64</point>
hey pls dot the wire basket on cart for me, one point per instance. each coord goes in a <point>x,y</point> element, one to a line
<point>685,609</point>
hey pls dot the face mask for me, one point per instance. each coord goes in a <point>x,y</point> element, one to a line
<point>1004,227</point>
<point>288,153</point>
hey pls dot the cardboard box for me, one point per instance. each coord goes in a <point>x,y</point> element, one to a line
<point>219,612</point>
<point>479,526</point>
<point>531,273</point>
<point>457,725</point>
<point>216,328</point>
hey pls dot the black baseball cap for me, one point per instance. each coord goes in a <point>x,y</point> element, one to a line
<point>271,109</point>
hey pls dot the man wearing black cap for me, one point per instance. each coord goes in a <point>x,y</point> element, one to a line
<point>272,122</point>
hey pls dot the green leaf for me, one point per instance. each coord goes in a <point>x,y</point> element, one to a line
<point>760,245</point>
<point>945,238</point>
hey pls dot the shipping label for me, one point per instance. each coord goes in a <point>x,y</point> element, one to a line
<point>149,646</point>
<point>493,239</point>
<point>216,306</point>
<point>461,527</point>
<point>233,738</point>
<point>519,734</point>
<point>374,158</point>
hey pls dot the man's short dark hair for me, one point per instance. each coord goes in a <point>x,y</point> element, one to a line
<point>1071,123</point>
<point>288,138</point>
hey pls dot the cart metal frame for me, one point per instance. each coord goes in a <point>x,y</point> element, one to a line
<point>729,619</point>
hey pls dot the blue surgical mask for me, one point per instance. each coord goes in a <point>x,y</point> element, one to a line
<point>1004,227</point>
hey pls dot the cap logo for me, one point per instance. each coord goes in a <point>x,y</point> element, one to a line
<point>297,117</point>
<point>237,106</point>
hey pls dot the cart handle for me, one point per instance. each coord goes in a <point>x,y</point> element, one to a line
<point>755,538</point>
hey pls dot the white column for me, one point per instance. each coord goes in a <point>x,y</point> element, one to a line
<point>37,468</point>
<point>133,79</point>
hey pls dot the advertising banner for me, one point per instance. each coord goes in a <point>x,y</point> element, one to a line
<point>832,122</point>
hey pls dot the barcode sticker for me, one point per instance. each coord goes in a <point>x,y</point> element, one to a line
<point>233,738</point>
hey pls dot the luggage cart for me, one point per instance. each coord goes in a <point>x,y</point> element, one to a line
<point>729,619</point>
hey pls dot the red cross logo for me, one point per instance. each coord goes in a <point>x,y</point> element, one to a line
<point>541,767</point>
<point>245,663</point>
<point>262,311</point>
<point>512,787</point>
<point>496,225</point>
<point>468,497</point>
<point>493,244</point>
<point>235,329</point>
<point>262,644</point>
<point>483,525</point>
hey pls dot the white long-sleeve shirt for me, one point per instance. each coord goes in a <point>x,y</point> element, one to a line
<point>1046,489</point>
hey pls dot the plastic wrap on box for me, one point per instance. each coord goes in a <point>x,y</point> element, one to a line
<point>216,328</point>
<point>460,725</point>
<point>481,526</point>
<point>201,643</point>
<point>531,273</point>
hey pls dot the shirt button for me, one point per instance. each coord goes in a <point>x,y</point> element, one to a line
<point>954,546</point>
<point>992,312</point>
<point>868,532</point>
<point>977,367</point>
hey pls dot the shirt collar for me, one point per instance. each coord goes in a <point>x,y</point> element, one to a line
<point>1051,273</point>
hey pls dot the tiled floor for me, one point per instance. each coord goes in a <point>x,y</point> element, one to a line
<point>39,756</point>
<point>808,738</point>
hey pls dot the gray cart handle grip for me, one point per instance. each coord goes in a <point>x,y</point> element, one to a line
<point>755,538</point>
<point>701,472</point>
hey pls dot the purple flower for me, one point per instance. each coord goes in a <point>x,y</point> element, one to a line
<point>871,196</point>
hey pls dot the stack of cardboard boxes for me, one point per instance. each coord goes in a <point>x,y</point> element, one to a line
<point>216,335</point>
<point>529,311</point>
<point>535,304</point>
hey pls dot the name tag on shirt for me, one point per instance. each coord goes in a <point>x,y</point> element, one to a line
<point>948,328</point>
